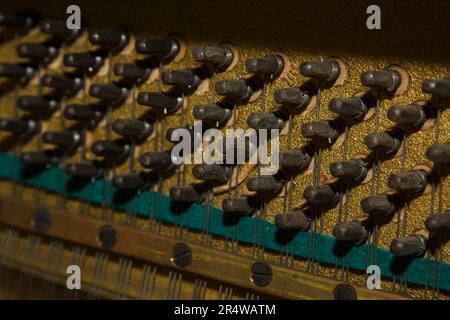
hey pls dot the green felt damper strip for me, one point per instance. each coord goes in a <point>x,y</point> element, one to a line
<point>148,203</point>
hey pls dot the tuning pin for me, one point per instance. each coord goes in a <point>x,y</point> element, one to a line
<point>132,180</point>
<point>107,92</point>
<point>438,222</point>
<point>160,161</point>
<point>17,71</point>
<point>292,96</point>
<point>327,71</point>
<point>295,159</point>
<point>382,141</point>
<point>109,149</point>
<point>212,172</point>
<point>388,80</point>
<point>132,128</point>
<point>58,28</point>
<point>437,87</point>
<point>414,245</point>
<point>184,78</point>
<point>82,169</point>
<point>212,113</point>
<point>81,112</point>
<point>382,205</point>
<point>323,129</point>
<point>167,103</point>
<point>264,184</point>
<point>111,39</point>
<point>218,57</point>
<point>239,89</point>
<point>87,62</point>
<point>323,194</point>
<point>354,108</point>
<point>61,138</point>
<point>16,126</point>
<point>16,20</point>
<point>296,220</point>
<point>241,205</point>
<point>439,153</point>
<point>39,158</point>
<point>37,51</point>
<point>270,65</point>
<point>131,70</point>
<point>408,183</point>
<point>36,104</point>
<point>62,82</point>
<point>353,170</point>
<point>411,114</point>
<point>190,193</point>
<point>351,231</point>
<point>264,120</point>
<point>164,50</point>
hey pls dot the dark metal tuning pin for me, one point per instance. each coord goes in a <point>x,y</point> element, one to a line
<point>323,194</point>
<point>109,149</point>
<point>353,170</point>
<point>264,184</point>
<point>437,87</point>
<point>37,51</point>
<point>107,92</point>
<point>327,71</point>
<point>81,112</point>
<point>296,220</point>
<point>382,141</point>
<point>62,82</point>
<point>82,169</point>
<point>292,96</point>
<point>132,180</point>
<point>295,159</point>
<point>438,222</point>
<point>16,126</point>
<point>439,153</point>
<point>16,71</point>
<point>414,245</point>
<point>323,129</point>
<point>36,104</point>
<point>62,138</point>
<point>87,62</point>
<point>270,65</point>
<point>388,80</point>
<point>111,39</point>
<point>354,107</point>
<point>351,231</point>
<point>242,205</point>
<point>218,57</point>
<point>58,28</point>
<point>160,161</point>
<point>190,193</point>
<point>132,70</point>
<point>212,113</point>
<point>186,79</point>
<point>408,183</point>
<point>38,158</point>
<point>380,206</point>
<point>239,89</point>
<point>17,20</point>
<point>264,120</point>
<point>164,50</point>
<point>132,128</point>
<point>410,114</point>
<point>212,172</point>
<point>168,104</point>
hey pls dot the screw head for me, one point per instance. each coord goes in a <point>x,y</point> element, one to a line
<point>181,255</point>
<point>107,236</point>
<point>261,274</point>
<point>344,291</point>
<point>42,220</point>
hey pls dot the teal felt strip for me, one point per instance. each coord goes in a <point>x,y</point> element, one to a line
<point>419,271</point>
